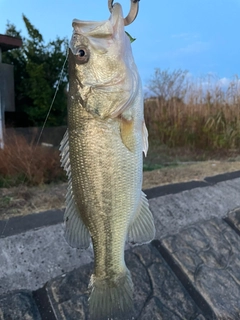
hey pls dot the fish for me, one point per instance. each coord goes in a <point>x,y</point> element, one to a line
<point>102,154</point>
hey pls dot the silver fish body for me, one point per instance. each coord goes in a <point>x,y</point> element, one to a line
<point>102,155</point>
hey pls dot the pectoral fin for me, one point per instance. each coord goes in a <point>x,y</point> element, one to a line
<point>76,233</point>
<point>126,129</point>
<point>142,229</point>
<point>127,135</point>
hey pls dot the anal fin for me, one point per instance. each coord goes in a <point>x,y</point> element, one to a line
<point>142,229</point>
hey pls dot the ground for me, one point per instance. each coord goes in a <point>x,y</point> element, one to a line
<point>23,200</point>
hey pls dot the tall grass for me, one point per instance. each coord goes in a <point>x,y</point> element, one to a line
<point>25,163</point>
<point>202,115</point>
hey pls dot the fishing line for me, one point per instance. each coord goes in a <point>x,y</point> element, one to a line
<point>54,97</point>
<point>4,228</point>
<point>50,108</point>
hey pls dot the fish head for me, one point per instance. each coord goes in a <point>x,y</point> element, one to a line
<point>101,65</point>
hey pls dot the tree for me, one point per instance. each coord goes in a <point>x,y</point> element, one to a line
<point>168,85</point>
<point>37,67</point>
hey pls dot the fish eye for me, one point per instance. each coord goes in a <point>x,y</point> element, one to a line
<point>82,55</point>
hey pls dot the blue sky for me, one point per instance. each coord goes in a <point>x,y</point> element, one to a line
<point>201,36</point>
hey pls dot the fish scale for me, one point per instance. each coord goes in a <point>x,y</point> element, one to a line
<point>102,155</point>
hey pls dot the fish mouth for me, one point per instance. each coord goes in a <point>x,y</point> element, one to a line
<point>117,19</point>
<point>91,33</point>
<point>96,34</point>
<point>101,37</point>
<point>101,29</point>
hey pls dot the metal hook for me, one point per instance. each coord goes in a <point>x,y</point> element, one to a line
<point>132,13</point>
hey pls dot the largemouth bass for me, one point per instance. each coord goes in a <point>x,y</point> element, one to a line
<point>102,153</point>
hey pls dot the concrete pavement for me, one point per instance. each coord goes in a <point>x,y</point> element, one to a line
<point>191,270</point>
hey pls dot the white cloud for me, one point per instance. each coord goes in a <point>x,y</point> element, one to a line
<point>195,47</point>
<point>227,82</point>
<point>224,82</point>
<point>185,36</point>
<point>211,82</point>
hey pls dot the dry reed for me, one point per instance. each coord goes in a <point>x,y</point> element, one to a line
<point>203,115</point>
<point>25,163</point>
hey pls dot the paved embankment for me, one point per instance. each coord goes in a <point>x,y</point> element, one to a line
<point>191,271</point>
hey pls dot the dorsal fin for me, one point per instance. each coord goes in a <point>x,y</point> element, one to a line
<point>145,138</point>
<point>76,233</point>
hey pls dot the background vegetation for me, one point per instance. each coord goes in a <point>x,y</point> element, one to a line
<point>26,163</point>
<point>202,115</point>
<point>37,67</point>
<point>186,119</point>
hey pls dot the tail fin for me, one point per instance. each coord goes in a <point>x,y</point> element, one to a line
<point>111,299</point>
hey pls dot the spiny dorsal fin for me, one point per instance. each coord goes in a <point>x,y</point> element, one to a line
<point>76,233</point>
<point>142,229</point>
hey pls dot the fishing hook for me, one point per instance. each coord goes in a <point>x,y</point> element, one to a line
<point>132,13</point>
